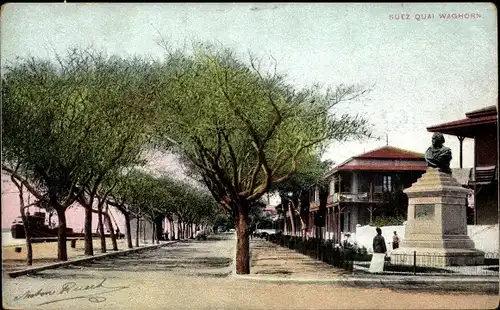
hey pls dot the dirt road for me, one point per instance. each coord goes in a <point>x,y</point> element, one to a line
<point>196,275</point>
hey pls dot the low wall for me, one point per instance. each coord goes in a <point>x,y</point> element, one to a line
<point>364,235</point>
<point>485,237</point>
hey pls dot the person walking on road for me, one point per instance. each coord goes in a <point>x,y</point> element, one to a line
<point>379,242</point>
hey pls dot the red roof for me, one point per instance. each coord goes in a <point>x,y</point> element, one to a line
<point>389,153</point>
<point>422,167</point>
<point>491,110</point>
<point>392,153</point>
<point>469,126</point>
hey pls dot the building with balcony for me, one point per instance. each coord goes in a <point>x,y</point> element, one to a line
<point>480,125</point>
<point>362,188</point>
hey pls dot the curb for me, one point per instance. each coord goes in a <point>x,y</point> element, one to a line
<point>370,280</point>
<point>488,286</point>
<point>15,274</point>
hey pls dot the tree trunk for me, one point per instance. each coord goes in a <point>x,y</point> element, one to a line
<point>153,231</point>
<point>171,228</point>
<point>285,225</point>
<point>62,249</point>
<point>111,231</point>
<point>303,225</point>
<point>179,230</point>
<point>50,219</point>
<point>27,229</point>
<point>101,228</point>
<point>159,228</point>
<point>137,227</point>
<point>243,243</point>
<point>292,217</point>
<point>128,230</point>
<point>89,246</point>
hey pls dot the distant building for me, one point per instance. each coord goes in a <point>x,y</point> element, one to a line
<point>480,125</point>
<point>362,188</point>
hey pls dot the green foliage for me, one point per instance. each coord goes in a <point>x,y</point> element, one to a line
<point>223,220</point>
<point>244,128</point>
<point>152,196</point>
<point>385,220</point>
<point>68,125</point>
<point>310,172</point>
<point>258,217</point>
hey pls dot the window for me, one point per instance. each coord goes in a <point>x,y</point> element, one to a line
<point>316,195</point>
<point>387,185</point>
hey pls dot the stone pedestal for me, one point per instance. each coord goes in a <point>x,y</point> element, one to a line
<point>436,231</point>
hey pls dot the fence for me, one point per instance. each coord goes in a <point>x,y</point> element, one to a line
<point>425,263</point>
<point>317,249</point>
<point>421,263</point>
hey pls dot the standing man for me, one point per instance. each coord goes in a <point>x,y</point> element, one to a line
<point>395,241</point>
<point>379,242</point>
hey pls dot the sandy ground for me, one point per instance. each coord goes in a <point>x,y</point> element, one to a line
<point>194,275</point>
<point>271,259</point>
<point>46,252</point>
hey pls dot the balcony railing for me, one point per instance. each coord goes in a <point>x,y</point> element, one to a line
<point>360,197</point>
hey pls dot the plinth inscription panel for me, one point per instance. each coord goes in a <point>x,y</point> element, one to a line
<point>424,212</point>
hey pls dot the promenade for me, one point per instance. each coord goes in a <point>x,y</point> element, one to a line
<point>194,274</point>
<point>271,260</point>
<point>45,253</point>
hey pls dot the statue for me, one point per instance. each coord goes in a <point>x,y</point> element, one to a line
<point>438,155</point>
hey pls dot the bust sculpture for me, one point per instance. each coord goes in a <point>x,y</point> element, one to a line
<point>438,155</point>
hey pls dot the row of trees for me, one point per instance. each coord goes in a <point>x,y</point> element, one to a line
<point>73,126</point>
<point>73,131</point>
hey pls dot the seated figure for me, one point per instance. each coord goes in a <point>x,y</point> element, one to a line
<point>438,155</point>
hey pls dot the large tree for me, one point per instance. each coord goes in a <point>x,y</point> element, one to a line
<point>244,128</point>
<point>42,135</point>
<point>68,123</point>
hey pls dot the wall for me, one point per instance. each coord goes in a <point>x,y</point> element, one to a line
<point>486,152</point>
<point>487,204</point>
<point>364,235</point>
<point>143,238</point>
<point>485,237</point>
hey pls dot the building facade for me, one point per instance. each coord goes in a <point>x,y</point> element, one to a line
<point>363,188</point>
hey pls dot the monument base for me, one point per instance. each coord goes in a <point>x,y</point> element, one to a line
<point>432,257</point>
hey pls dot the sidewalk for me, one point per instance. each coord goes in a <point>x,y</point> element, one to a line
<point>273,263</point>
<point>45,255</point>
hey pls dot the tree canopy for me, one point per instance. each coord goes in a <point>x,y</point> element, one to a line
<point>244,128</point>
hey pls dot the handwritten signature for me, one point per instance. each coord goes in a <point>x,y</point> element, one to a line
<point>69,287</point>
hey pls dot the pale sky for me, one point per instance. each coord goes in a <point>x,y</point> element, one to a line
<point>425,72</point>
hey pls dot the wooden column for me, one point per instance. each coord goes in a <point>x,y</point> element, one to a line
<point>340,210</point>
<point>461,140</point>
